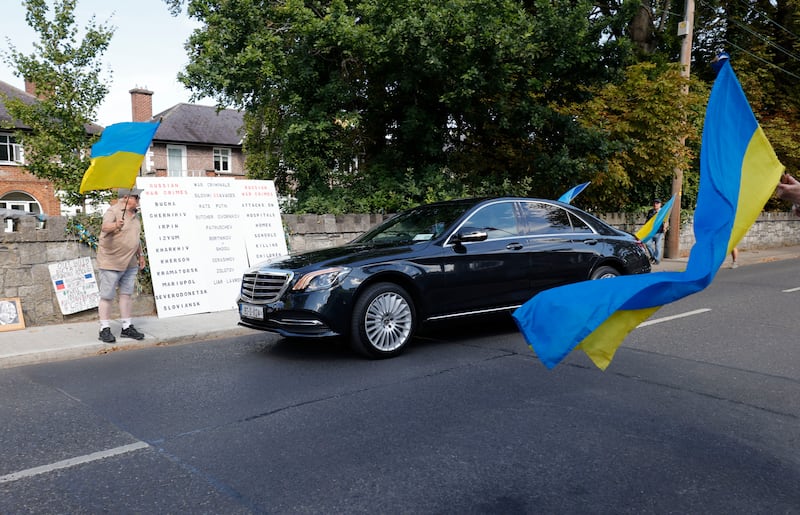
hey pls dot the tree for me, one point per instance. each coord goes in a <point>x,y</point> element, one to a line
<point>382,101</point>
<point>640,117</point>
<point>377,104</point>
<point>763,41</point>
<point>66,76</point>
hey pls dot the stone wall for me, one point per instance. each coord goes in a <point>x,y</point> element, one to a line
<point>26,253</point>
<point>25,256</point>
<point>771,230</point>
<point>311,232</point>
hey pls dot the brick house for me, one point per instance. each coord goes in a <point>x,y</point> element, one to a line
<point>19,190</point>
<point>192,140</point>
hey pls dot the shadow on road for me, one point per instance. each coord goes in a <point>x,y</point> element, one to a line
<point>338,349</point>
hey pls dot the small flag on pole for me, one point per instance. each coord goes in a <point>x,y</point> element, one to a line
<point>116,158</point>
<point>572,193</point>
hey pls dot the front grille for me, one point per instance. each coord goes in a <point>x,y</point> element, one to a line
<point>264,287</point>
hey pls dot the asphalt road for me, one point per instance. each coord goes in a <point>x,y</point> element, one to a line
<point>697,414</point>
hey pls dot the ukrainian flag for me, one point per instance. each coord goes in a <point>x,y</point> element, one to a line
<point>116,158</point>
<point>650,227</point>
<point>738,173</point>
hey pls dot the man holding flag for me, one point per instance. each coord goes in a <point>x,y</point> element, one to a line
<point>116,160</point>
<point>119,258</point>
<point>656,244</point>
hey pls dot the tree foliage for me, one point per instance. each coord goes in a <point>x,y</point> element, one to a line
<point>763,40</point>
<point>376,104</point>
<point>66,73</point>
<point>357,100</point>
<point>641,117</point>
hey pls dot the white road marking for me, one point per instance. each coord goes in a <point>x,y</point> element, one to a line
<point>790,290</point>
<point>673,317</point>
<point>71,462</point>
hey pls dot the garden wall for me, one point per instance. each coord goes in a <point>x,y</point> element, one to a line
<point>26,252</point>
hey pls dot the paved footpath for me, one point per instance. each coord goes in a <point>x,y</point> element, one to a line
<point>76,340</point>
<point>79,339</point>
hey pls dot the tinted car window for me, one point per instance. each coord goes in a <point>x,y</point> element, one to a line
<point>497,220</point>
<point>420,224</point>
<point>578,225</point>
<point>545,218</point>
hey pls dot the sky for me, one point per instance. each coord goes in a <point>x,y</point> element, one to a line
<point>146,51</point>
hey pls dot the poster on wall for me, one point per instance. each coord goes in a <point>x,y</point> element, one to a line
<point>75,285</point>
<point>11,317</point>
<point>202,234</point>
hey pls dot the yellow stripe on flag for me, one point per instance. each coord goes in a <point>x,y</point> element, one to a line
<point>603,342</point>
<point>761,172</point>
<point>112,171</point>
<point>646,229</point>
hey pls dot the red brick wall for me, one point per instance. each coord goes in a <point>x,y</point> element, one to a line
<point>30,87</point>
<point>199,161</point>
<point>15,178</point>
<point>141,105</point>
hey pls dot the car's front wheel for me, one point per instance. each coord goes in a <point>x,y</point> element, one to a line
<point>604,272</point>
<point>383,321</point>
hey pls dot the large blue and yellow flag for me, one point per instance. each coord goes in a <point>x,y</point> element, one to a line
<point>650,227</point>
<point>738,173</point>
<point>116,158</point>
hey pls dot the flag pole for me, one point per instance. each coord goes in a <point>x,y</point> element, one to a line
<point>133,185</point>
<point>685,29</point>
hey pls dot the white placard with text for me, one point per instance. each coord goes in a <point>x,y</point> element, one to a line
<point>75,285</point>
<point>265,237</point>
<point>200,232</point>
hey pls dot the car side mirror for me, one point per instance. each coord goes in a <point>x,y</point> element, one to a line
<point>471,235</point>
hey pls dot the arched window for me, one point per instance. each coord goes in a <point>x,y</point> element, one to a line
<point>18,201</point>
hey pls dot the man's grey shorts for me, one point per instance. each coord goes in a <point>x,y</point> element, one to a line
<point>108,280</point>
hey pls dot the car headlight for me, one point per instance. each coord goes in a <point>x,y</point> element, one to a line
<point>321,279</point>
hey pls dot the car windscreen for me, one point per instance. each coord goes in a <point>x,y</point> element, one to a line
<point>423,223</point>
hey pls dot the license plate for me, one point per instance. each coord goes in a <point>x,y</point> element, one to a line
<point>251,311</point>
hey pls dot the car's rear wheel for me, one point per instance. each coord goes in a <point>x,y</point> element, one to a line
<point>383,321</point>
<point>605,272</point>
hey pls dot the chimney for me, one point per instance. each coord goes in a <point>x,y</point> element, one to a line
<point>30,87</point>
<point>141,105</point>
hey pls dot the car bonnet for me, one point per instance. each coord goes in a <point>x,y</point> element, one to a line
<point>345,255</point>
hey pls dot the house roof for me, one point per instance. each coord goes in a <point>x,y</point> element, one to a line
<point>197,124</point>
<point>7,90</point>
<point>6,120</point>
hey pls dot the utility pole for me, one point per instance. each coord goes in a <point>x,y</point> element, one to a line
<point>685,29</point>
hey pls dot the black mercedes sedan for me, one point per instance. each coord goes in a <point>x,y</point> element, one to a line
<point>434,262</point>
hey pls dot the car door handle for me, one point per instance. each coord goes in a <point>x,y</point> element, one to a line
<point>590,242</point>
<point>514,246</point>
